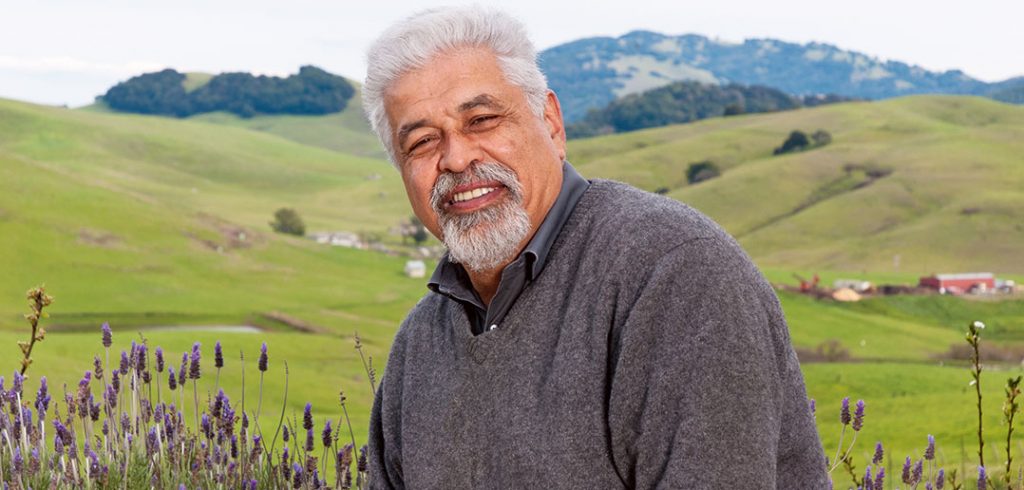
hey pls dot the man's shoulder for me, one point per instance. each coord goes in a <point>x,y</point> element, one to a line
<point>638,219</point>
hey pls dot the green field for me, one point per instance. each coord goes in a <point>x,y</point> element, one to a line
<point>144,221</point>
<point>953,199</point>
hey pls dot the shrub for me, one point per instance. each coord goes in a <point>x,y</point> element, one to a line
<point>701,171</point>
<point>797,141</point>
<point>287,220</point>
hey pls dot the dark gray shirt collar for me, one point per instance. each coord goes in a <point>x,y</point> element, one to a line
<point>452,280</point>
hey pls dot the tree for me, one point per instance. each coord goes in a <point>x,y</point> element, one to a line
<point>797,141</point>
<point>419,233</point>
<point>821,137</point>
<point>701,171</point>
<point>286,220</point>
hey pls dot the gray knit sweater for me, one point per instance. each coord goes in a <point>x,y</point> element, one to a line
<point>650,353</point>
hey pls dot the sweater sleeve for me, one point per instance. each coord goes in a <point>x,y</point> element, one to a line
<point>705,391</point>
<point>384,453</point>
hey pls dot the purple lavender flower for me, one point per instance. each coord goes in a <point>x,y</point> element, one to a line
<point>206,426</point>
<point>982,484</point>
<point>193,367</point>
<point>879,453</point>
<point>34,463</point>
<point>307,417</point>
<point>285,469</point>
<point>182,371</point>
<point>940,479</point>
<point>124,363</point>
<point>309,440</point>
<point>285,434</point>
<point>297,481</point>
<point>159,359</point>
<point>17,462</point>
<point>42,398</point>
<point>880,479</point>
<point>94,465</point>
<point>858,416</point>
<point>918,471</point>
<point>94,409</point>
<point>361,464</point>
<point>263,358</point>
<point>234,447</point>
<point>868,484</point>
<point>326,435</point>
<point>140,358</point>
<point>111,397</point>
<point>97,366</point>
<point>106,428</point>
<point>58,444</point>
<point>929,452</point>
<point>151,447</point>
<point>218,356</point>
<point>172,382</point>
<point>844,412</point>
<point>146,377</point>
<point>115,381</point>
<point>108,336</point>
<point>928,486</point>
<point>906,472</point>
<point>16,385</point>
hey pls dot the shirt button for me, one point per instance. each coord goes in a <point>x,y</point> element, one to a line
<point>492,327</point>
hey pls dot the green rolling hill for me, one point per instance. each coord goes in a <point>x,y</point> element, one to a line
<point>149,220</point>
<point>917,184</point>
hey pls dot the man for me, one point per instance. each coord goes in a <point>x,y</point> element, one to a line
<point>577,334</point>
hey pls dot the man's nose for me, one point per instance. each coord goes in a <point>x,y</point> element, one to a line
<point>459,153</point>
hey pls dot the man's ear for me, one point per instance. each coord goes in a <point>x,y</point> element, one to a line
<point>554,122</point>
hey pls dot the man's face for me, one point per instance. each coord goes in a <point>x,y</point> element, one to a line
<point>480,167</point>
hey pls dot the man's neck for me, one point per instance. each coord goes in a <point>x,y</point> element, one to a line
<point>486,283</point>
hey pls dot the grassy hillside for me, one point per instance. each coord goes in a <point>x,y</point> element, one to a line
<point>143,220</point>
<point>950,198</point>
<point>346,131</point>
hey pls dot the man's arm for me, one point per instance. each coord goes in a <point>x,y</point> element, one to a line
<point>706,392</point>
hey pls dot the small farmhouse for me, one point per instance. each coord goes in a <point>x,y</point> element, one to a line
<point>339,239</point>
<point>959,283</point>
<point>415,268</point>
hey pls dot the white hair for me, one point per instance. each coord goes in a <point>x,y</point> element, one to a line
<point>415,41</point>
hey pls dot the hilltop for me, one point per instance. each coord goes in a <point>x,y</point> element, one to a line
<point>589,73</point>
<point>925,183</point>
<point>311,91</point>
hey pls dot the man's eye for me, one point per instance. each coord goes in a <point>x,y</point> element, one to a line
<point>482,119</point>
<point>419,143</point>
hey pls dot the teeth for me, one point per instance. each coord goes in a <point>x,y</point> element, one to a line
<point>473,194</point>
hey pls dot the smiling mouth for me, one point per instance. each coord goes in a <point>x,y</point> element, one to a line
<point>473,197</point>
<point>471,194</point>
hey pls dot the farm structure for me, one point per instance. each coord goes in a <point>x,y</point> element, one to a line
<point>959,283</point>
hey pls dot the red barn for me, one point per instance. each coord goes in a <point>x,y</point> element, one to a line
<point>959,283</point>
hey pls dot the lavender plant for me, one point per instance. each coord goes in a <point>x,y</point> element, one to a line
<point>90,441</point>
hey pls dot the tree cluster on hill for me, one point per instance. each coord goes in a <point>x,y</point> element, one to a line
<point>310,92</point>
<point>683,102</point>
<point>799,141</point>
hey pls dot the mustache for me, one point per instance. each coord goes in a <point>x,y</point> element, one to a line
<point>477,172</point>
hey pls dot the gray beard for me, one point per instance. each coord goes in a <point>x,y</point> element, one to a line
<point>488,238</point>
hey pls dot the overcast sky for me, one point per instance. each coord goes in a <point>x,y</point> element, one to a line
<point>67,52</point>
